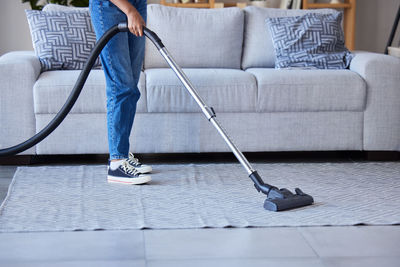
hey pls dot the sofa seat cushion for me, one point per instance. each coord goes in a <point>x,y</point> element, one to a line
<point>226,90</point>
<point>309,90</point>
<point>196,37</point>
<point>52,89</point>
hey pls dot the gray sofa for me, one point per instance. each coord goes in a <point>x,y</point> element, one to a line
<point>228,55</point>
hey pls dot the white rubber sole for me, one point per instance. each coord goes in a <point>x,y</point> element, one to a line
<point>144,169</point>
<point>142,179</point>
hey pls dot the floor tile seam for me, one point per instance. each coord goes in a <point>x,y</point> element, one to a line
<point>233,258</point>
<point>144,246</point>
<point>360,257</point>
<point>67,261</point>
<point>307,242</point>
<point>72,260</point>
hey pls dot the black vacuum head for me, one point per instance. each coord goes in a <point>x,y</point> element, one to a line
<point>283,199</point>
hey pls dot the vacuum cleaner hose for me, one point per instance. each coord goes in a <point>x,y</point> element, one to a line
<point>66,108</point>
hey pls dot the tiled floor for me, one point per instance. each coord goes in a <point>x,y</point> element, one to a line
<point>281,246</point>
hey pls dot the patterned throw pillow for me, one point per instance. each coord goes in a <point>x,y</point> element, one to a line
<point>314,41</point>
<point>62,40</point>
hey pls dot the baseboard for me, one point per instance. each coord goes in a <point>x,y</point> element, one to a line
<point>382,155</point>
<point>16,160</point>
<point>221,157</point>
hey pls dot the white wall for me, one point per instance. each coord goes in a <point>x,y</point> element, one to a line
<point>14,29</point>
<point>374,21</point>
<point>373,24</point>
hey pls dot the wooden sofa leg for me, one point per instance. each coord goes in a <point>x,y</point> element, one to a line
<point>382,155</point>
<point>16,160</point>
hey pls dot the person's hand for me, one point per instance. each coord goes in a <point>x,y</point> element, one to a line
<point>135,22</point>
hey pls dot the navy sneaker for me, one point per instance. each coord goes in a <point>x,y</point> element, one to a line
<point>137,165</point>
<point>127,174</point>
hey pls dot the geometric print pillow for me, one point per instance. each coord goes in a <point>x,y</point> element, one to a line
<point>311,41</point>
<point>62,40</point>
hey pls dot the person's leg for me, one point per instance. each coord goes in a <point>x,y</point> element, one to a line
<point>121,88</point>
<point>122,93</point>
<point>136,46</point>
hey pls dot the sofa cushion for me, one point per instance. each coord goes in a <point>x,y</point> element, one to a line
<point>309,90</point>
<point>314,41</point>
<point>52,89</point>
<point>258,49</point>
<point>226,90</point>
<point>196,38</point>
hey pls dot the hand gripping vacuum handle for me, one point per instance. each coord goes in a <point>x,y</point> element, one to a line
<point>123,26</point>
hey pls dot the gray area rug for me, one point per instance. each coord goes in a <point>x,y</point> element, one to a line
<point>66,198</point>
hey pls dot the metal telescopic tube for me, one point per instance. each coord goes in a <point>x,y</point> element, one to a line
<point>239,155</point>
<point>208,112</point>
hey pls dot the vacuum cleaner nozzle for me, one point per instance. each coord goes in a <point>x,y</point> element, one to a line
<point>280,199</point>
<point>283,199</point>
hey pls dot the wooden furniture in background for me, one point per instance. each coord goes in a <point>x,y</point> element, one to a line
<point>237,4</point>
<point>349,18</point>
<point>208,4</point>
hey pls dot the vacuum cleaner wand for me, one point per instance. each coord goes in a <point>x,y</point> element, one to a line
<point>277,199</point>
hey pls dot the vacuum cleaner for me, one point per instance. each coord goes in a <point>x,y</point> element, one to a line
<point>277,199</point>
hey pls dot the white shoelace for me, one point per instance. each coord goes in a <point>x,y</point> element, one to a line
<point>132,160</point>
<point>129,169</point>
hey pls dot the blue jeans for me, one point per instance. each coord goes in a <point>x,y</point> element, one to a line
<point>122,60</point>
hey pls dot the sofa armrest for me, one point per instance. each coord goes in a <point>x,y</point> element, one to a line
<point>382,113</point>
<point>18,72</point>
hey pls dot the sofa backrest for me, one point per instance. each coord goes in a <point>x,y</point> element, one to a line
<point>211,38</point>
<point>258,49</point>
<point>62,8</point>
<point>196,38</point>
